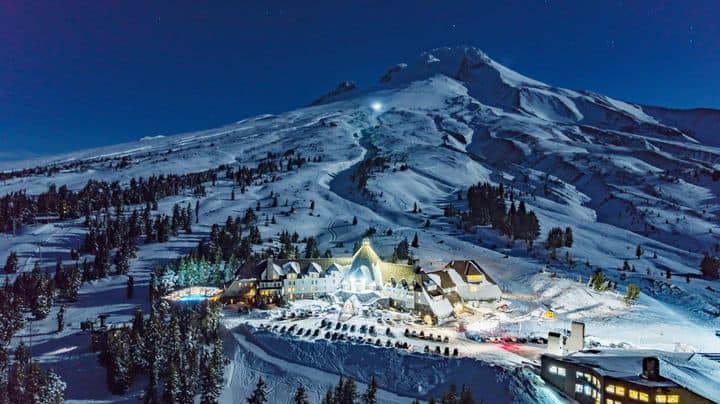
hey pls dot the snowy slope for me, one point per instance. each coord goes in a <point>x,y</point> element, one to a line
<point>619,174</point>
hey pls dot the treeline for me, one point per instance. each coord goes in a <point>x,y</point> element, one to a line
<point>19,208</point>
<point>346,392</point>
<point>121,235</point>
<point>487,206</point>
<point>213,261</point>
<point>362,173</point>
<point>23,380</point>
<point>50,170</point>
<point>178,349</point>
<point>557,238</point>
<point>272,163</point>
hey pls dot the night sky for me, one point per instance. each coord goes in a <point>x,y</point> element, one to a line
<point>77,74</point>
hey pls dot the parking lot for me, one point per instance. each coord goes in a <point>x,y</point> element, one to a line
<point>313,320</point>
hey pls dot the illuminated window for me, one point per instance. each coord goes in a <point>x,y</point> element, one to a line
<point>610,388</point>
<point>578,388</point>
<point>661,398</point>
<point>673,399</point>
<point>644,397</point>
<point>633,394</point>
<point>587,390</point>
<point>620,391</point>
<point>579,375</point>
<point>553,369</point>
<point>561,371</point>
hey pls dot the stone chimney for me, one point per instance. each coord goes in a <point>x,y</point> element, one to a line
<point>651,368</point>
<point>576,341</point>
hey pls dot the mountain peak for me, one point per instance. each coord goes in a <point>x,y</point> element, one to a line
<point>457,62</point>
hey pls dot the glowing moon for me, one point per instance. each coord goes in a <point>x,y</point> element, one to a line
<point>376,106</point>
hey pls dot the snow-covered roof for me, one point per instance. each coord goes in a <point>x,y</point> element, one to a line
<point>334,268</point>
<point>440,306</point>
<point>692,371</point>
<point>291,267</point>
<point>274,268</point>
<point>313,267</point>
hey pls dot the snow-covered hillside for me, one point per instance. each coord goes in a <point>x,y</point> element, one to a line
<point>619,174</point>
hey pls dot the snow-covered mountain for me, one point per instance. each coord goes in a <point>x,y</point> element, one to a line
<point>620,174</point>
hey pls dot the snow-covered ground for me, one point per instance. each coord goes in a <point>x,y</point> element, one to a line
<point>620,175</point>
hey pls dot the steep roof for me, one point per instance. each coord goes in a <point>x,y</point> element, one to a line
<point>366,252</point>
<point>446,281</point>
<point>291,267</point>
<point>465,268</point>
<point>312,267</point>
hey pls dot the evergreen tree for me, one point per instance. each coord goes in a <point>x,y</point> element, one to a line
<point>42,295</point>
<point>300,396</point>
<point>450,396</point>
<point>626,266</point>
<point>415,242</point>
<point>52,389</point>
<point>73,282</point>
<point>259,395</point>
<point>633,292</point>
<point>197,211</point>
<point>710,267</point>
<point>171,394</point>
<point>4,374</point>
<point>11,263</point>
<point>568,237</point>
<point>370,395</point>
<point>354,221</point>
<point>212,376</point>
<point>11,317</point>
<point>598,281</point>
<point>402,251</point>
<point>328,399</point>
<point>531,228</point>
<point>61,319</point>
<point>348,392</point>
<point>555,239</point>
<point>311,248</point>
<point>130,287</point>
<point>119,364</point>
<point>466,396</point>
<point>638,251</point>
<point>17,381</point>
<point>337,395</point>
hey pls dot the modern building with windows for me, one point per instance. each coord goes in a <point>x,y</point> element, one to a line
<point>631,376</point>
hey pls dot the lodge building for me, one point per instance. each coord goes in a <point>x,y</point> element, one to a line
<point>437,295</point>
